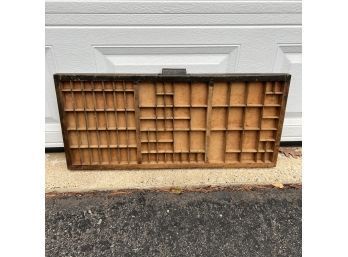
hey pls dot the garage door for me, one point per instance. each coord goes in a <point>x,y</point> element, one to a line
<point>146,36</point>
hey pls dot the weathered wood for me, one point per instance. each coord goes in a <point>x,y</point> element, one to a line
<point>137,121</point>
<point>208,121</point>
<point>156,121</point>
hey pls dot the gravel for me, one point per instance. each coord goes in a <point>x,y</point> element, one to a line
<point>225,223</point>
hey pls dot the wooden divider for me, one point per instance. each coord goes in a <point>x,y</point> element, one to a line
<point>157,121</point>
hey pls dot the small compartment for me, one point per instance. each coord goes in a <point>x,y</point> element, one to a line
<point>192,157</point>
<point>68,101</point>
<point>278,88</point>
<point>235,118</point>
<point>238,91</point>
<point>233,140</point>
<point>180,157</point>
<point>269,123</point>
<point>124,154</point>
<point>252,118</point>
<point>73,139</point>
<point>75,156</point>
<point>267,135</point>
<point>78,101</point>
<point>65,85</point>
<point>103,138</point>
<point>108,86</point>
<point>250,141</point>
<point>216,147</point>
<point>109,100</point>
<point>182,124</point>
<point>269,146</point>
<point>120,100</point>
<point>232,157</point>
<point>182,95</point>
<point>164,112</point>
<point>71,122</point>
<point>165,136</point>
<point>200,157</point>
<point>270,112</point>
<point>111,120</point>
<point>160,157</point>
<point>148,113</point>
<point>105,155</point>
<point>164,146</point>
<point>101,120</point>
<point>256,91</point>
<point>248,157</point>
<point>197,140</point>
<point>91,120</point>
<point>198,118</point>
<point>269,87</point>
<point>97,85</point>
<point>181,141</point>
<point>268,157</point>
<point>167,124</point>
<point>99,100</point>
<point>218,118</point>
<point>129,100</point>
<point>89,101</point>
<point>273,99</point>
<point>113,138</point>
<point>148,125</point>
<point>259,157</point>
<point>220,94</point>
<point>83,138</point>
<point>168,157</point>
<point>199,93</point>
<point>93,138</point>
<point>182,113</point>
<point>147,96</point>
<point>164,100</point>
<point>85,156</point>
<point>95,156</point>
<point>130,119</point>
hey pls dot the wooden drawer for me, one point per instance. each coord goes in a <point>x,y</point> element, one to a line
<point>174,121</point>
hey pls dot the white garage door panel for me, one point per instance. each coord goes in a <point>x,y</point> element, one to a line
<point>172,19</point>
<point>168,7</point>
<point>151,59</point>
<point>148,49</point>
<point>53,137</point>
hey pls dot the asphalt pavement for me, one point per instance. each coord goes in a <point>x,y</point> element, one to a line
<point>264,222</point>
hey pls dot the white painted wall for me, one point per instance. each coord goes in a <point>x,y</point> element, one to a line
<point>121,36</point>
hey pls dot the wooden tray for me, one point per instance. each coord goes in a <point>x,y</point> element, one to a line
<point>129,121</point>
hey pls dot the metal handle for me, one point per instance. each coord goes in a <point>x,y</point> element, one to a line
<point>169,71</point>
